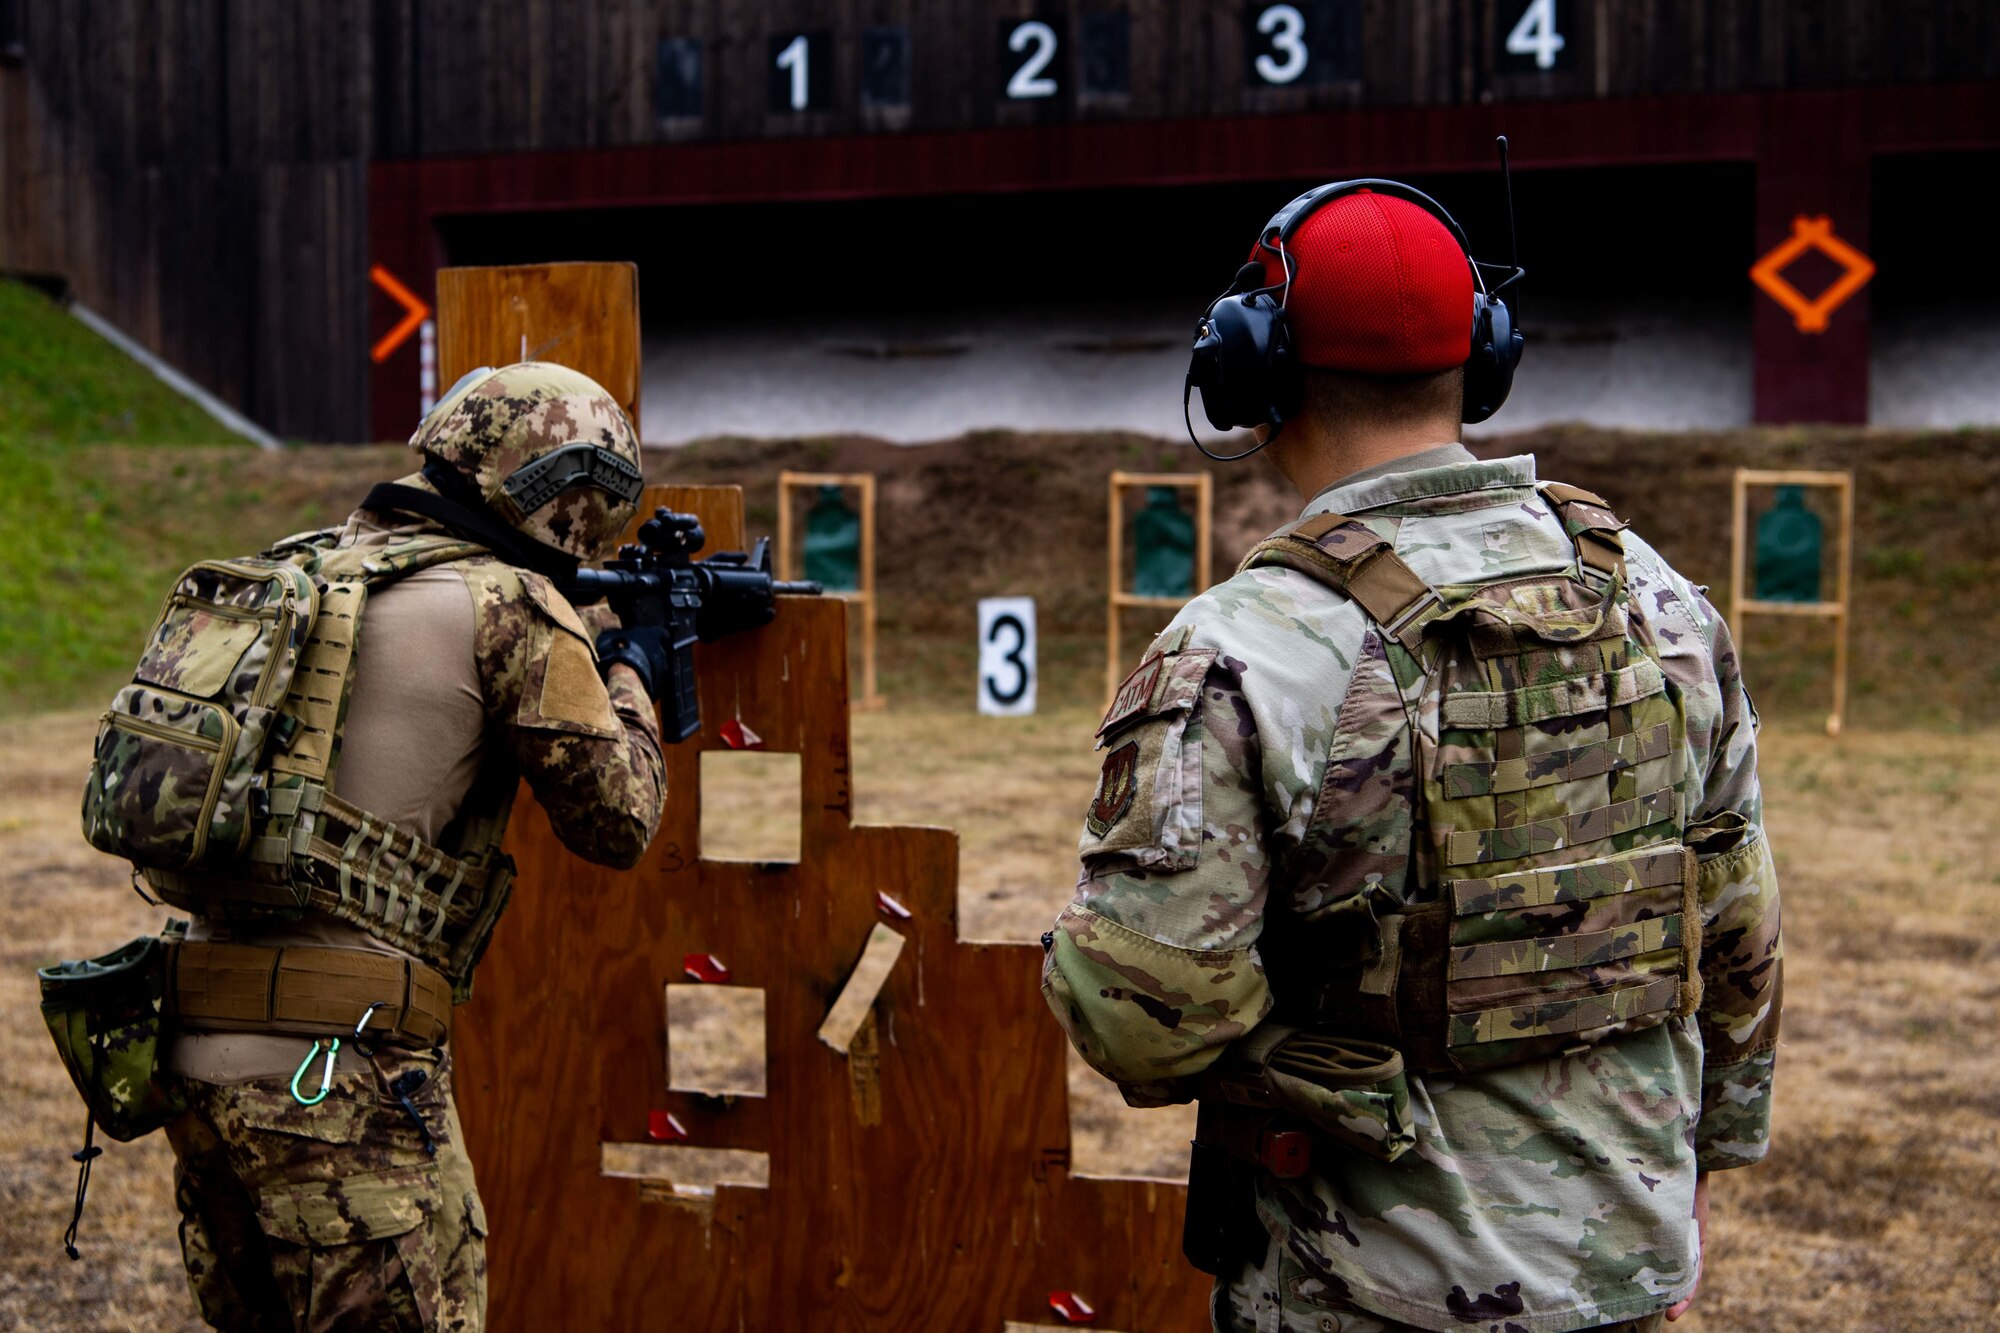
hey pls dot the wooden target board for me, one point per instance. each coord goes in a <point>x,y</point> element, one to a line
<point>908,1170</point>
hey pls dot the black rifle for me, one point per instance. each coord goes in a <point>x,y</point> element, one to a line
<point>659,582</point>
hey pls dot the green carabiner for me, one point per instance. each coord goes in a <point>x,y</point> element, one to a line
<point>326,1078</point>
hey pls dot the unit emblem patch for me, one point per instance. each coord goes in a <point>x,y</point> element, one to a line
<point>1116,786</point>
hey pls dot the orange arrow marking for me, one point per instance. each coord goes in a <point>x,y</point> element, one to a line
<point>403,296</point>
<point>1809,234</point>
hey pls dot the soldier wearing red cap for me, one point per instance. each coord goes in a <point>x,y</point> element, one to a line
<point>1427,851</point>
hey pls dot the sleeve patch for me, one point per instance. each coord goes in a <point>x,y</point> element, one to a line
<point>1165,682</point>
<point>571,690</point>
<point>1116,786</point>
<point>1148,799</point>
<point>560,688</point>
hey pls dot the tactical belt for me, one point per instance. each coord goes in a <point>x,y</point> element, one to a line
<point>309,991</point>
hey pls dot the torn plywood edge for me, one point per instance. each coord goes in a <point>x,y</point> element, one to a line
<point>856,1000</point>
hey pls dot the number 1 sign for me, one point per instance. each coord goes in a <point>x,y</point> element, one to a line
<point>1007,656</point>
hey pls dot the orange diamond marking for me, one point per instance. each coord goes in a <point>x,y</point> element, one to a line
<point>1810,234</point>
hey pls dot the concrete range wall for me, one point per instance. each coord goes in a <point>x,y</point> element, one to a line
<point>920,377</point>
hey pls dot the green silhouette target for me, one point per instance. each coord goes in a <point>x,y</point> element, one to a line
<point>1163,541</point>
<point>1789,542</point>
<point>833,542</point>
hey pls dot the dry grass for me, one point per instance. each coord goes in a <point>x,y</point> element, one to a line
<point>1874,1211</point>
<point>61,899</point>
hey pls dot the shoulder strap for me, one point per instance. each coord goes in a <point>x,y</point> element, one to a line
<point>1348,555</point>
<point>1593,527</point>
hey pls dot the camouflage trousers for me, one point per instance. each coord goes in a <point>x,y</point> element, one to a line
<point>331,1217</point>
<point>1276,1295</point>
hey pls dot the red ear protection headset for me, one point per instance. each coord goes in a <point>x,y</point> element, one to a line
<point>1245,360</point>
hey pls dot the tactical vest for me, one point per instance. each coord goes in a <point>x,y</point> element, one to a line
<point>214,769</point>
<point>1548,901</point>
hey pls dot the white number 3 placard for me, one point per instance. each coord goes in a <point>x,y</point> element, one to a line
<point>1007,656</point>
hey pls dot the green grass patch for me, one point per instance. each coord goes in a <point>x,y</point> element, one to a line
<point>91,530</point>
<point>61,384</point>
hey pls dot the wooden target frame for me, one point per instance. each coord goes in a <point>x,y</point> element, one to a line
<point>1837,609</point>
<point>908,1166</point>
<point>1118,600</point>
<point>863,597</point>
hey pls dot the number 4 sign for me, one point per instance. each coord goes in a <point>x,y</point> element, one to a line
<point>1537,37</point>
<point>1007,656</point>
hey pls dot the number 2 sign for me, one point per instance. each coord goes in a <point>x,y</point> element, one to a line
<point>1007,656</point>
<point>1028,59</point>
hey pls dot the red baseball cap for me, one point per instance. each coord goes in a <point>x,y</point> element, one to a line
<point>1379,286</point>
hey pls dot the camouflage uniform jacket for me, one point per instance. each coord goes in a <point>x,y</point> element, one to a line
<point>1548,1196</point>
<point>589,750</point>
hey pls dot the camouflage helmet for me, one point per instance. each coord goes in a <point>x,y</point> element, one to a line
<point>547,449</point>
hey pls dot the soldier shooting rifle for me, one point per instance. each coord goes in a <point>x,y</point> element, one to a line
<point>666,601</point>
<point>316,760</point>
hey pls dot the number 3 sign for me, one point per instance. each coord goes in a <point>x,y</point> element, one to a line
<point>1007,656</point>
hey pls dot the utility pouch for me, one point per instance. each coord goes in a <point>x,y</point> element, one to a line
<point>107,1016</point>
<point>1220,1231</point>
<point>1348,1090</point>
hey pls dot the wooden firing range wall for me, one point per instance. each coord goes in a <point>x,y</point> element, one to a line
<point>919,1182</point>
<point>217,180</point>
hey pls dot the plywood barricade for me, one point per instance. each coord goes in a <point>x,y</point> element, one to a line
<point>584,316</point>
<point>920,1181</point>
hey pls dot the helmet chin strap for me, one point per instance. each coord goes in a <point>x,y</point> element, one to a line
<point>462,511</point>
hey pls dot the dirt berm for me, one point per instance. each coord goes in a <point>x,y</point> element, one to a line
<point>998,513</point>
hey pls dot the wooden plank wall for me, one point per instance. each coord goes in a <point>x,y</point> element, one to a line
<point>198,171</point>
<point>532,74</point>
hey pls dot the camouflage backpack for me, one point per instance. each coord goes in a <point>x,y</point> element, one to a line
<point>1549,901</point>
<point>214,769</point>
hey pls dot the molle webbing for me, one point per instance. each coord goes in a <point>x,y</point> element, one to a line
<point>1536,837</point>
<point>318,694</point>
<point>311,991</point>
<point>1592,759</point>
<point>1579,882</point>
<point>1506,958</point>
<point>1491,710</point>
